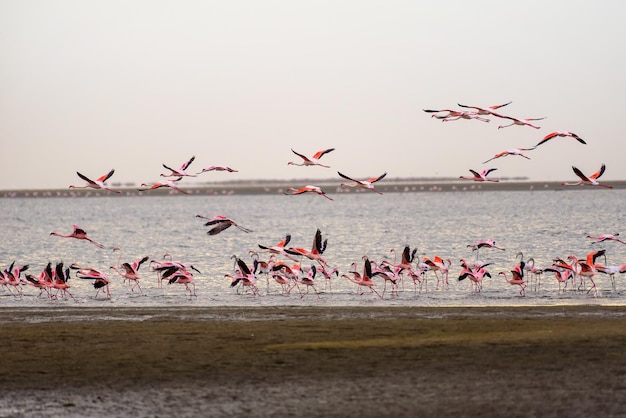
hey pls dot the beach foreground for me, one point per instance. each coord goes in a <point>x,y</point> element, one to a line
<point>287,361</point>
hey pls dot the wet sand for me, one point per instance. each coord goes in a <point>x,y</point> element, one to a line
<point>292,361</point>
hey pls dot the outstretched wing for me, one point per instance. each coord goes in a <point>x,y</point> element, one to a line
<point>185,165</point>
<point>85,178</point>
<point>106,176</point>
<point>375,179</point>
<point>598,173</point>
<point>319,154</point>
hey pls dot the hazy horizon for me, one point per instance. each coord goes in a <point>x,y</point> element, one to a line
<point>92,86</point>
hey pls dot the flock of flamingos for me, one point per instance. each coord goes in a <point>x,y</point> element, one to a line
<point>284,265</point>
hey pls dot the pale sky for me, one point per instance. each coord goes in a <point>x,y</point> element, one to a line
<point>93,85</point>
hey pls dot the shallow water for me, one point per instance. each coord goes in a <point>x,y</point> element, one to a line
<point>540,224</point>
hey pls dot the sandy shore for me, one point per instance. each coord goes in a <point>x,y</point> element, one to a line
<point>287,361</point>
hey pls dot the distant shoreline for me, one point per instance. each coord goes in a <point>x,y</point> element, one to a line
<point>279,186</point>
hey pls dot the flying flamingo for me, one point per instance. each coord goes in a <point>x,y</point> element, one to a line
<point>311,161</point>
<point>317,249</point>
<point>605,237</point>
<point>482,176</point>
<point>307,189</point>
<point>512,151</point>
<point>218,168</point>
<point>279,248</point>
<point>164,183</point>
<point>454,115</point>
<point>485,110</point>
<point>97,183</point>
<point>589,180</point>
<point>519,122</point>
<point>78,233</point>
<point>366,184</point>
<point>181,171</point>
<point>221,223</point>
<point>561,134</point>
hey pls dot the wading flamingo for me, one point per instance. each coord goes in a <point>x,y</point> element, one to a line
<point>78,233</point>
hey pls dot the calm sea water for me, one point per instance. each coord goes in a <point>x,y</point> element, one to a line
<point>540,224</point>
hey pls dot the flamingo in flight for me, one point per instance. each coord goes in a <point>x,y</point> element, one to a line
<point>307,189</point>
<point>218,168</point>
<point>163,183</point>
<point>97,183</point>
<point>310,161</point>
<point>512,151</point>
<point>485,110</point>
<point>221,223</point>
<point>180,172</point>
<point>454,115</point>
<point>78,233</point>
<point>591,180</point>
<point>561,134</point>
<point>366,184</point>
<point>519,122</point>
<point>482,176</point>
<point>605,237</point>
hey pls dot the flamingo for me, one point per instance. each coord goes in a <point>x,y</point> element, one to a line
<point>476,276</point>
<point>13,277</point>
<point>163,183</point>
<point>588,180</point>
<point>437,264</point>
<point>516,279</point>
<point>245,276</point>
<point>485,110</point>
<point>366,184</point>
<point>484,243</point>
<point>218,168</point>
<point>311,161</point>
<point>78,233</point>
<point>221,223</point>
<point>307,189</point>
<point>512,151</point>
<point>364,280</point>
<point>561,134</point>
<point>317,249</point>
<point>180,172</point>
<point>279,248</point>
<point>131,272</point>
<point>482,176</point>
<point>454,115</point>
<point>101,280</point>
<point>519,122</point>
<point>309,281</point>
<point>605,237</point>
<point>97,183</point>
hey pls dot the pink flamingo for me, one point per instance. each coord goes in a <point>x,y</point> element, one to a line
<point>307,189</point>
<point>561,134</point>
<point>78,233</point>
<point>181,276</point>
<point>516,279</point>
<point>97,183</point>
<point>512,151</point>
<point>317,249</point>
<point>164,183</point>
<point>131,272</point>
<point>482,176</point>
<point>588,180</point>
<point>218,168</point>
<point>485,110</point>
<point>605,237</point>
<point>180,172</point>
<point>364,280</point>
<point>100,280</point>
<point>309,281</point>
<point>454,115</point>
<point>311,161</point>
<point>365,184</point>
<point>221,223</point>
<point>519,122</point>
